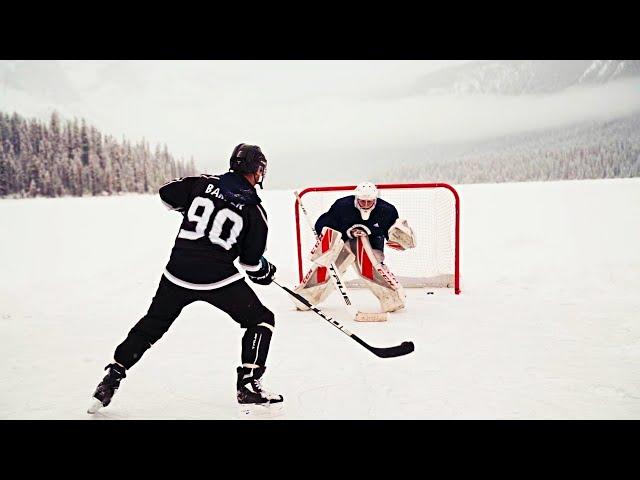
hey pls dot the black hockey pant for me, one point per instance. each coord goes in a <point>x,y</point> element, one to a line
<point>237,299</point>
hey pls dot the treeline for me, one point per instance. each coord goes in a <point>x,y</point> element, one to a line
<point>589,151</point>
<point>58,158</point>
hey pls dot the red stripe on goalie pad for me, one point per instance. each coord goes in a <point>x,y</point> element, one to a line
<point>326,241</point>
<point>364,262</point>
<point>321,274</point>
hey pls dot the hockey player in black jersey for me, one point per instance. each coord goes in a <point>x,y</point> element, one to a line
<point>222,220</point>
<point>354,231</point>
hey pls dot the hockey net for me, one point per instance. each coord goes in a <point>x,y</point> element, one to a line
<point>431,209</point>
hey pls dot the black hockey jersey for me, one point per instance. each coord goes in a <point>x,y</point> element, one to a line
<point>343,215</point>
<point>223,220</point>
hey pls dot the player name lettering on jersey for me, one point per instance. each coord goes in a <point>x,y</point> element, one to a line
<point>215,191</point>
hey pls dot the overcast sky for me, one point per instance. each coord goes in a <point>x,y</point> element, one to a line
<point>300,112</point>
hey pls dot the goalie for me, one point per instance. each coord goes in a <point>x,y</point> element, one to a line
<point>353,233</point>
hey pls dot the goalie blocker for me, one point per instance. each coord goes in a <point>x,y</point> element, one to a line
<point>367,262</point>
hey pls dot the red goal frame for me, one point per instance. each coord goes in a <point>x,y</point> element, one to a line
<point>383,186</point>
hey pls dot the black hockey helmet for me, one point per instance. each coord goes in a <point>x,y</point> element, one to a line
<point>248,159</point>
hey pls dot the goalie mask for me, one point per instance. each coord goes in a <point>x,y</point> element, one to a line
<point>249,159</point>
<point>366,196</point>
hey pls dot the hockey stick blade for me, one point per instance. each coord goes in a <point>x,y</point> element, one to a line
<point>383,352</point>
<point>404,348</point>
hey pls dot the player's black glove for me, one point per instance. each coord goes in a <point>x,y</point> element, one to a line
<point>264,275</point>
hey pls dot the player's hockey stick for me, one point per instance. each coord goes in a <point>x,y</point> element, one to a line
<point>383,352</point>
<point>339,284</point>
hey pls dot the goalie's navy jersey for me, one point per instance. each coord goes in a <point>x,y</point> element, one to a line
<point>343,215</point>
<point>222,220</point>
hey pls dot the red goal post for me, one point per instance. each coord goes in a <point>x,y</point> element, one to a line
<point>433,211</point>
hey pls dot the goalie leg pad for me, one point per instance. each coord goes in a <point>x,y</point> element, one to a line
<point>390,299</point>
<point>369,264</point>
<point>377,277</point>
<point>316,285</point>
<point>327,247</point>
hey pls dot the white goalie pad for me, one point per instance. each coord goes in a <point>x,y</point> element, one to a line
<point>316,285</point>
<point>377,276</point>
<point>327,248</point>
<point>390,300</point>
<point>368,263</point>
<point>401,236</point>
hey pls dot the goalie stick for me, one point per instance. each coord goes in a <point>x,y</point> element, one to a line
<point>339,284</point>
<point>383,352</point>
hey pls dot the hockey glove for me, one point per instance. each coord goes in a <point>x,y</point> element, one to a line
<point>264,275</point>
<point>401,236</point>
<point>395,245</point>
<point>358,230</point>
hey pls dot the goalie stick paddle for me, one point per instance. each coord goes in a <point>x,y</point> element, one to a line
<point>383,352</point>
<point>339,284</point>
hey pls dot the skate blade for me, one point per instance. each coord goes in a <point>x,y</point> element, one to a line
<point>260,411</point>
<point>94,407</point>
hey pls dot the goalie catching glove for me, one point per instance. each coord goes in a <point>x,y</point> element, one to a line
<point>401,236</point>
<point>263,275</point>
<point>327,248</point>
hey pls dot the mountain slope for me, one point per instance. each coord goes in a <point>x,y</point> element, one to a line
<point>602,149</point>
<point>516,77</point>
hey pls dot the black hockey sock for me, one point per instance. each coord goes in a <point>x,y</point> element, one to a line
<point>255,345</point>
<point>131,350</point>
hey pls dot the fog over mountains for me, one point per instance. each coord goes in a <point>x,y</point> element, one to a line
<point>517,77</point>
<point>51,79</point>
<point>345,120</point>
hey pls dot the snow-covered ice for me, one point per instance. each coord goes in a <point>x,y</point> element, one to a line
<point>547,325</point>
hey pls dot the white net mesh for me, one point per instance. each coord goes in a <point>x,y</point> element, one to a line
<point>430,212</point>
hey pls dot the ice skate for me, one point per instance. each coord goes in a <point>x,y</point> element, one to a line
<point>107,387</point>
<point>254,400</point>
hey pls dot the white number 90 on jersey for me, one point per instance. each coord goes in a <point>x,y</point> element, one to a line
<point>202,221</point>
